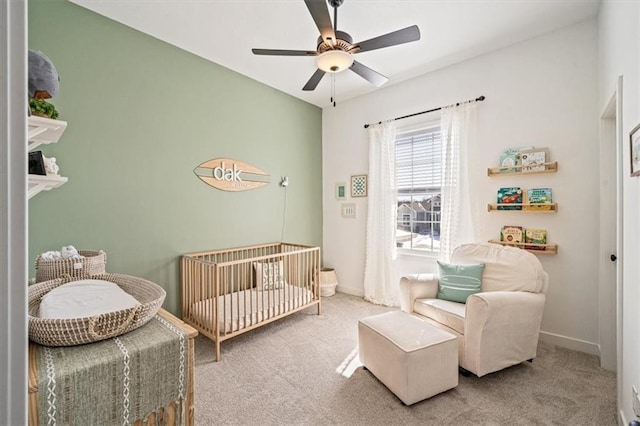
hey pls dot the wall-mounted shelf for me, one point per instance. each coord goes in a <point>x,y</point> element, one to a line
<point>44,130</point>
<point>541,248</point>
<point>39,183</point>
<point>553,207</point>
<point>518,170</point>
<point>501,171</point>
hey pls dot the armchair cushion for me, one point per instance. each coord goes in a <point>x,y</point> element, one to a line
<point>443,312</point>
<point>506,268</point>
<point>457,282</point>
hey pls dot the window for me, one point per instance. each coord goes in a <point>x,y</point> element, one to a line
<point>419,181</point>
<point>406,219</point>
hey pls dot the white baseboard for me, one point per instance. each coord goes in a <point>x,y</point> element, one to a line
<point>570,343</point>
<point>554,339</point>
<point>349,290</point>
<point>622,420</point>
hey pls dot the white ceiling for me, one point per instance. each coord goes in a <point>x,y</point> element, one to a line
<point>224,31</point>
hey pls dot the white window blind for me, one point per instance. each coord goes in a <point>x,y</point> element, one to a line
<point>419,162</point>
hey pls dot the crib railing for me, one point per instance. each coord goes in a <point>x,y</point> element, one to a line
<point>222,297</point>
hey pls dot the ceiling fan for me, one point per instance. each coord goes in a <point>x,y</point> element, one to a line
<point>335,49</point>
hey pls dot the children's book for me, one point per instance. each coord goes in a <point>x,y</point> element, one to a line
<point>511,195</point>
<point>534,159</point>
<point>535,236</point>
<point>512,234</point>
<point>541,197</point>
<point>511,157</point>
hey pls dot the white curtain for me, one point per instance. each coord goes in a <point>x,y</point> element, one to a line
<point>379,285</point>
<point>459,208</point>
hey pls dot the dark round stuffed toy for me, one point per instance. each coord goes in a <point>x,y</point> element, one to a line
<point>44,81</point>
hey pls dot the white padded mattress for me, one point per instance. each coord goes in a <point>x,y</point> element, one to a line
<point>248,307</point>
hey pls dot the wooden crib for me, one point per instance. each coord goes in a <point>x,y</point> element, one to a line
<point>228,292</point>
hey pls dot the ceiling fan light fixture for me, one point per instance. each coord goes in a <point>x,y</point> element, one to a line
<point>334,61</point>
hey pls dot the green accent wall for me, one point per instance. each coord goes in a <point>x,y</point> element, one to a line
<point>142,115</point>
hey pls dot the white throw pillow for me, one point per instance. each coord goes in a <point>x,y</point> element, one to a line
<point>85,298</point>
<point>269,275</point>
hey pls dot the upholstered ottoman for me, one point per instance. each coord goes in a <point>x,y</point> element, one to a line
<point>414,359</point>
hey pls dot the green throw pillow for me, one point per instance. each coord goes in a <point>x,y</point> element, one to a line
<point>457,282</point>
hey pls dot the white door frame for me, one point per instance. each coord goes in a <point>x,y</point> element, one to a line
<point>619,233</point>
<point>610,148</point>
<point>610,126</point>
<point>13,219</point>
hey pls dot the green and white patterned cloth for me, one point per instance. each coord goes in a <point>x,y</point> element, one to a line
<point>115,381</point>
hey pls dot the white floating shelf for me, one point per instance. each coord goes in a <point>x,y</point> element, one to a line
<point>39,183</point>
<point>44,131</point>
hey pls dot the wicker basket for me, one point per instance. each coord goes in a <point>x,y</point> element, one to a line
<point>92,263</point>
<point>78,331</point>
<point>328,282</point>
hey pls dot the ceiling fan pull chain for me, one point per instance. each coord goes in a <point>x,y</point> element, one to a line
<point>332,80</point>
<point>333,89</point>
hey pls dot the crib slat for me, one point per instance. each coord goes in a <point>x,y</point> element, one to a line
<point>248,272</point>
<point>216,316</point>
<point>198,288</point>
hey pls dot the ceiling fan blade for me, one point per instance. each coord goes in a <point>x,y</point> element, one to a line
<point>320,14</point>
<point>404,35</point>
<point>368,74</point>
<point>281,52</point>
<point>314,80</point>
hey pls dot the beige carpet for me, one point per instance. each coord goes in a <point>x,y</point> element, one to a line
<point>297,371</point>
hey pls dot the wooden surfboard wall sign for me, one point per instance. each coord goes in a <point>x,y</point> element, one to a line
<point>227,174</point>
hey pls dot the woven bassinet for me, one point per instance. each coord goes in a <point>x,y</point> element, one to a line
<point>78,331</point>
<point>91,263</point>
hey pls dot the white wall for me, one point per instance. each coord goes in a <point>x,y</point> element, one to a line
<point>619,55</point>
<point>542,92</point>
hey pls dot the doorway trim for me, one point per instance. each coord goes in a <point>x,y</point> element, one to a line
<point>611,125</point>
<point>13,220</point>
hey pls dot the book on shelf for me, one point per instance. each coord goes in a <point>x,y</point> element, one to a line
<point>512,195</point>
<point>540,198</point>
<point>512,157</point>
<point>535,236</point>
<point>36,163</point>
<point>512,234</point>
<point>533,159</point>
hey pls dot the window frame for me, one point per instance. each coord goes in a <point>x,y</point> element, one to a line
<point>414,252</point>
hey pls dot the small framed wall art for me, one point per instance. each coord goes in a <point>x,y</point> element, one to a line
<point>341,191</point>
<point>634,150</point>
<point>359,186</point>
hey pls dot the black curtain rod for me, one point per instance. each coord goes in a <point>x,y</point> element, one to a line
<point>479,99</point>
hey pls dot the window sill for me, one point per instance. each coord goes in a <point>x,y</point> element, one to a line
<point>418,253</point>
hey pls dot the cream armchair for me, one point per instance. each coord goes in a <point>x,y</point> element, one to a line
<point>497,327</point>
